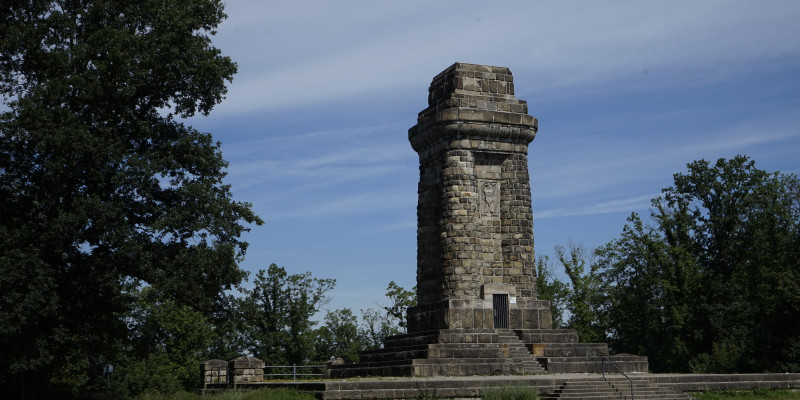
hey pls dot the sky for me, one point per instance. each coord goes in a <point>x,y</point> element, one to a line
<point>315,123</point>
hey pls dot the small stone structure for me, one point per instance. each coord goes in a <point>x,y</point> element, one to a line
<point>214,372</point>
<point>478,313</point>
<point>246,369</point>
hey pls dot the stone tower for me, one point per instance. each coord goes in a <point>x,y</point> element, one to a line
<point>475,262</point>
<point>477,310</point>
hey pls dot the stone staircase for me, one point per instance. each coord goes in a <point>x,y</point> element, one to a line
<point>558,351</point>
<point>447,352</point>
<point>614,389</point>
<point>549,386</point>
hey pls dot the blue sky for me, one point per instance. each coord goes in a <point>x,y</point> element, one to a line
<point>627,93</point>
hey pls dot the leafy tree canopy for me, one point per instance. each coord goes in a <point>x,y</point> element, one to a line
<point>276,315</point>
<point>102,189</point>
<point>711,285</point>
<point>400,299</point>
<point>714,284</point>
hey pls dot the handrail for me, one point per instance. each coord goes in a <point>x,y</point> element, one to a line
<point>294,368</point>
<point>617,368</point>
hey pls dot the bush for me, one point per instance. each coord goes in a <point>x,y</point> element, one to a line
<point>510,393</point>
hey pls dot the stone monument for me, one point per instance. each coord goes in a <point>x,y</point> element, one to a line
<point>478,313</point>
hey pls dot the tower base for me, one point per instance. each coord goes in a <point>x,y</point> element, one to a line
<point>462,341</point>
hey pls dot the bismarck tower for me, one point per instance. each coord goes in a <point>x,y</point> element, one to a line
<point>475,263</point>
<point>476,285</point>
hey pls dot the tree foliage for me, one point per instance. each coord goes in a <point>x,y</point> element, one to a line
<point>586,305</point>
<point>277,314</point>
<point>400,300</point>
<point>340,336</point>
<point>166,343</point>
<point>714,284</point>
<point>711,285</point>
<point>550,287</point>
<point>376,326</point>
<point>651,291</point>
<point>102,189</point>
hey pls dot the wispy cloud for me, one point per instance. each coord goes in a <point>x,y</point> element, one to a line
<point>599,162</point>
<point>315,160</point>
<point>628,204</point>
<point>342,204</point>
<point>368,48</point>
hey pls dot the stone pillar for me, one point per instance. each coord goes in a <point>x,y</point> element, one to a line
<point>246,369</point>
<point>214,372</point>
<point>474,218</point>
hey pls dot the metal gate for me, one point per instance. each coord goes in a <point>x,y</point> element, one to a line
<point>500,307</point>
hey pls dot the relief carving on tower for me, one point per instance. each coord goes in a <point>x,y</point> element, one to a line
<point>490,199</point>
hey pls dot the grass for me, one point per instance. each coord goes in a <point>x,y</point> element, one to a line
<point>510,393</point>
<point>258,394</point>
<point>757,394</point>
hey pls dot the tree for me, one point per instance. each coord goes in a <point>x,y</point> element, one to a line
<point>652,290</point>
<point>549,287</point>
<point>400,300</point>
<point>277,315</point>
<point>102,189</point>
<point>586,302</point>
<point>376,326</point>
<point>167,342</point>
<point>714,285</point>
<point>340,337</point>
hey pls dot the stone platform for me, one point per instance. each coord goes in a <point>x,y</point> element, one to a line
<point>465,352</point>
<point>547,385</point>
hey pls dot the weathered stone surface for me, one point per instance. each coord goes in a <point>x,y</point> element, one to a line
<point>646,386</point>
<point>214,371</point>
<point>246,369</point>
<point>475,225</point>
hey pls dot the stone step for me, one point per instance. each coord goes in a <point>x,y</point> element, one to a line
<point>530,336</point>
<point>484,368</point>
<point>572,349</point>
<point>592,364</point>
<point>449,350</point>
<point>446,352</point>
<point>451,336</point>
<point>614,388</point>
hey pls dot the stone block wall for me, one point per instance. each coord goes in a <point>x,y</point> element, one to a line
<point>246,369</point>
<point>478,314</point>
<point>475,224</point>
<point>214,371</point>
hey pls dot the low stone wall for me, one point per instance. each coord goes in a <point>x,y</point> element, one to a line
<point>471,387</point>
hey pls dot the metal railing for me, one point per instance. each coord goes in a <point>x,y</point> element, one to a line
<point>219,374</point>
<point>620,371</point>
<point>294,374</point>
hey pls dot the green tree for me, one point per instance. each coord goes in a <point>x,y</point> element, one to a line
<point>167,342</point>
<point>652,290</point>
<point>375,326</point>
<point>586,302</point>
<point>714,285</point>
<point>277,314</point>
<point>400,299</point>
<point>102,188</point>
<point>340,336</point>
<point>549,287</point>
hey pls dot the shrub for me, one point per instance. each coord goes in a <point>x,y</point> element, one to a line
<point>510,393</point>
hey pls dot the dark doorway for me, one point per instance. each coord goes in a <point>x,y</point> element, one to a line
<point>500,306</point>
